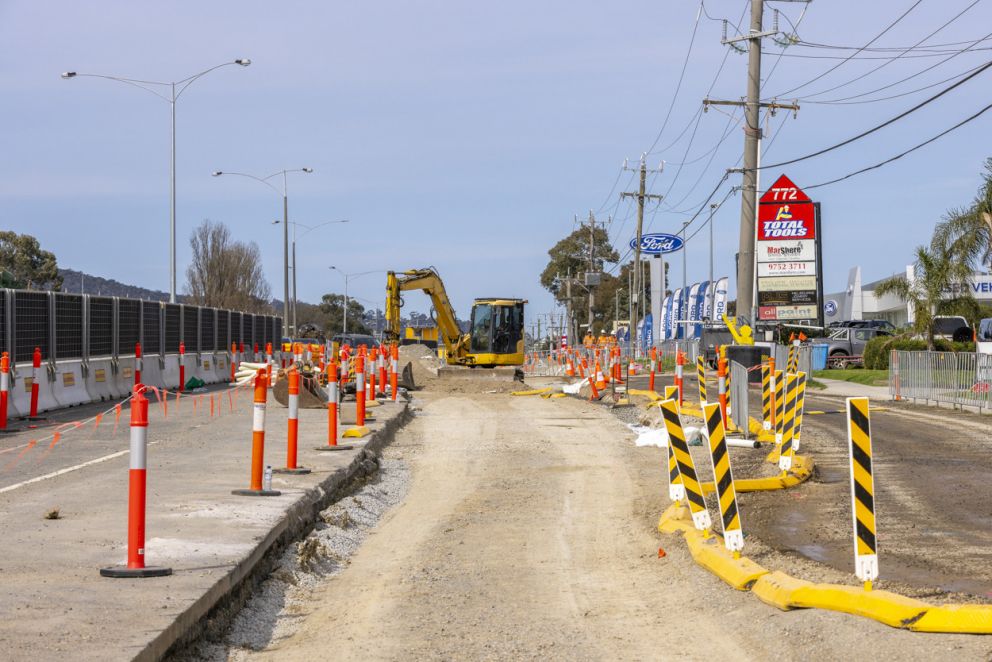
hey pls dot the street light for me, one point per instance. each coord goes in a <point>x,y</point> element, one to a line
<point>308,229</point>
<point>285,227</point>
<point>348,277</point>
<point>171,99</point>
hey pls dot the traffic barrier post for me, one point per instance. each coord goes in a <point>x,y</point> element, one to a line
<point>685,466</point>
<point>779,405</point>
<point>800,406</point>
<point>333,395</point>
<point>268,361</point>
<point>234,361</point>
<point>701,378</point>
<point>654,367</point>
<point>788,422</point>
<point>374,364</point>
<point>723,479</point>
<point>293,424</point>
<point>721,383</point>
<point>381,363</point>
<point>35,370</point>
<point>766,396</point>
<point>862,491</point>
<point>137,491</point>
<point>360,429</point>
<point>679,360</point>
<point>772,392</point>
<point>4,389</point>
<point>394,363</point>
<point>182,366</point>
<point>257,488</point>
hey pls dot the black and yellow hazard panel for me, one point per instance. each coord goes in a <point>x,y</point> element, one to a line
<point>862,490</point>
<point>789,421</point>
<point>790,366</point>
<point>701,378</point>
<point>800,407</point>
<point>676,491</point>
<point>723,479</point>
<point>766,396</point>
<point>685,466</point>
<point>778,404</point>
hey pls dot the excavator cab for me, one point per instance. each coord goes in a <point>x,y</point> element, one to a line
<point>497,332</point>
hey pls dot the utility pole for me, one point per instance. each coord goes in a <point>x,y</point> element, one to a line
<point>589,284</point>
<point>638,287</point>
<point>752,144</point>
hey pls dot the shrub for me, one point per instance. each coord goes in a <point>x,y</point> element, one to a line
<point>878,349</point>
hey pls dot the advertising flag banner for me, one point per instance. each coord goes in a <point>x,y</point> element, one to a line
<point>698,306</point>
<point>666,318</point>
<point>676,313</point>
<point>708,301</point>
<point>720,298</point>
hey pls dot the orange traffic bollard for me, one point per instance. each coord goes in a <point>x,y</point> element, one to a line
<point>679,361</point>
<point>394,360</point>
<point>332,411</point>
<point>373,363</point>
<point>4,389</point>
<point>293,425</point>
<point>721,372</point>
<point>137,490</point>
<point>35,369</point>
<point>257,487</point>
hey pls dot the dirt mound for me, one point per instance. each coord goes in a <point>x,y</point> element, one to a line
<point>423,363</point>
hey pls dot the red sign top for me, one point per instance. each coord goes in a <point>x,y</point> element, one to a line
<point>783,190</point>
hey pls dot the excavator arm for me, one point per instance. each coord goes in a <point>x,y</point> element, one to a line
<point>430,283</point>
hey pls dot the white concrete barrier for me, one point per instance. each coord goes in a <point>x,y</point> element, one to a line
<point>69,387</point>
<point>99,379</point>
<point>20,390</point>
<point>170,371</point>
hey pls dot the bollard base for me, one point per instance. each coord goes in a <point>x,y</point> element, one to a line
<point>256,493</point>
<point>294,470</point>
<point>357,432</point>
<point>339,447</point>
<point>124,572</point>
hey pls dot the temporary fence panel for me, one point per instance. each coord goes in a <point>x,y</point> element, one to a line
<point>191,329</point>
<point>100,316</point>
<point>208,327</point>
<point>151,328</point>
<point>30,325</point>
<point>260,335</point>
<point>236,330</point>
<point>955,378</point>
<point>223,329</point>
<point>68,326</point>
<point>805,361</point>
<point>173,327</point>
<point>739,404</point>
<point>129,326</point>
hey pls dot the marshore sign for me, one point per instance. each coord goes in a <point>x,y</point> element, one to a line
<point>790,277</point>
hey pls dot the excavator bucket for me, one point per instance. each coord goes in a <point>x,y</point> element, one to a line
<point>312,394</point>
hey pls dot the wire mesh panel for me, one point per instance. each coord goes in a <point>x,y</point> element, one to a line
<point>101,316</point>
<point>223,324</point>
<point>172,327</point>
<point>236,336</point>
<point>69,326</point>
<point>30,325</point>
<point>277,329</point>
<point>3,319</point>
<point>151,312</point>
<point>191,328</point>
<point>128,325</point>
<point>208,342</point>
<point>260,331</point>
<point>248,329</point>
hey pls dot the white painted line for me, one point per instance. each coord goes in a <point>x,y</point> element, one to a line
<point>54,474</point>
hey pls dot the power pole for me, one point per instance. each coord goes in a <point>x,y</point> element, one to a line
<point>592,266</point>
<point>635,293</point>
<point>752,141</point>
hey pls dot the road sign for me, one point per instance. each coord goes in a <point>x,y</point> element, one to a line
<point>787,251</point>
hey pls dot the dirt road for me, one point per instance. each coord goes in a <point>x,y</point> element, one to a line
<point>530,532</point>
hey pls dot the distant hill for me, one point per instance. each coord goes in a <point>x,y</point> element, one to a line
<point>78,282</point>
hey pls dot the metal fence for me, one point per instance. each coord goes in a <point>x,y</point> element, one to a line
<point>80,327</point>
<point>781,355</point>
<point>739,404</point>
<point>955,378</point>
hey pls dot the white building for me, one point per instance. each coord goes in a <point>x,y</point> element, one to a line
<point>859,301</point>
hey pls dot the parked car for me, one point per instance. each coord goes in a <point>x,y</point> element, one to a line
<point>952,327</point>
<point>355,340</point>
<point>864,324</point>
<point>848,341</point>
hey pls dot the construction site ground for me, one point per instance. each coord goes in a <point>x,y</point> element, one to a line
<point>53,602</point>
<point>528,530</point>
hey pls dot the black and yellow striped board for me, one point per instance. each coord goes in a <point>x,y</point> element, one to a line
<point>701,379</point>
<point>727,381</point>
<point>800,407</point>
<point>676,491</point>
<point>766,396</point>
<point>790,364</point>
<point>862,490</point>
<point>779,404</point>
<point>789,422</point>
<point>723,479</point>
<point>685,466</point>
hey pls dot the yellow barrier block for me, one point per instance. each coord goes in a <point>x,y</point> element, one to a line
<point>676,518</point>
<point>357,432</point>
<point>971,619</point>
<point>802,469</point>
<point>559,395</point>
<point>741,573</point>
<point>538,391</point>
<point>651,395</point>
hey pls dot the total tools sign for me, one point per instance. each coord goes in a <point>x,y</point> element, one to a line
<point>790,280</point>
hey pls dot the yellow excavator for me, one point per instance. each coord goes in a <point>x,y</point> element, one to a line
<point>496,335</point>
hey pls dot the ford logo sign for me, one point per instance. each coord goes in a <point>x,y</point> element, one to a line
<point>658,243</point>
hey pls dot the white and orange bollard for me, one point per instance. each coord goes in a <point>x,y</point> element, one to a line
<point>721,376</point>
<point>383,355</point>
<point>4,390</point>
<point>137,491</point>
<point>293,424</point>
<point>394,364</point>
<point>654,367</point>
<point>679,362</point>
<point>182,366</point>
<point>373,365</point>
<point>333,418</point>
<point>35,371</point>
<point>137,364</point>
<point>360,430</point>
<point>268,361</point>
<point>257,486</point>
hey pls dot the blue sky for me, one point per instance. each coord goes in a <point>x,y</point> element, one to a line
<point>459,135</point>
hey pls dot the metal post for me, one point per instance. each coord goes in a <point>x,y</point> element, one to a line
<point>712,209</point>
<point>172,207</point>
<point>285,251</point>
<point>749,187</point>
<point>345,329</point>
<point>295,331</point>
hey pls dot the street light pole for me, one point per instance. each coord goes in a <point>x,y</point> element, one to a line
<point>712,209</point>
<point>309,228</point>
<point>684,310</point>
<point>285,231</point>
<point>348,277</point>
<point>173,97</point>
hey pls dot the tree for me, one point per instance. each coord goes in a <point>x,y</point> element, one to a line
<point>25,263</point>
<point>935,273</point>
<point>966,233</point>
<point>225,273</point>
<point>332,310</point>
<point>571,256</point>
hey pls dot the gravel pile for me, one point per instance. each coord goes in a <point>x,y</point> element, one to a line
<point>277,607</point>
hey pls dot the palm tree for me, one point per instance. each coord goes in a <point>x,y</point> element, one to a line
<point>966,233</point>
<point>935,272</point>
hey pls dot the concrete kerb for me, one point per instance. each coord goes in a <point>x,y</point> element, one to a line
<point>211,614</point>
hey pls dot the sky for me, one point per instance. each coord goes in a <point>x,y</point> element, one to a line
<point>468,136</point>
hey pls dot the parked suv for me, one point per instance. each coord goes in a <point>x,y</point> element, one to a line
<point>848,341</point>
<point>951,327</point>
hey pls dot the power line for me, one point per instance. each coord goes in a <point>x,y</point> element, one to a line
<point>908,151</point>
<point>883,124</point>
<point>846,101</point>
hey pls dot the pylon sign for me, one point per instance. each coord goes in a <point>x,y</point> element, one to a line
<point>789,274</point>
